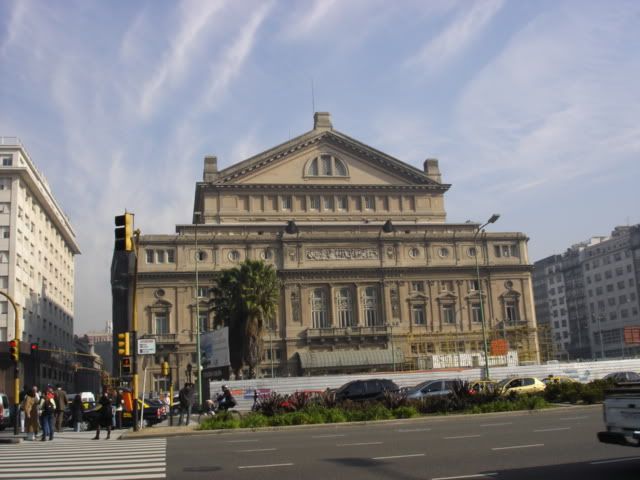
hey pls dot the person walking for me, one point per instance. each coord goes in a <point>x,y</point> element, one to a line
<point>186,402</point>
<point>76,412</point>
<point>30,409</point>
<point>106,416</point>
<point>119,404</point>
<point>61,406</point>
<point>47,409</point>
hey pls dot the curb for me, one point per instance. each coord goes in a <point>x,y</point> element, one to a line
<point>9,440</point>
<point>400,421</point>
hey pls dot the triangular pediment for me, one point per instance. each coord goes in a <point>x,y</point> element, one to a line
<point>351,163</point>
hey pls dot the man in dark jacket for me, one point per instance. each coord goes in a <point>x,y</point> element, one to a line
<point>61,405</point>
<point>186,401</point>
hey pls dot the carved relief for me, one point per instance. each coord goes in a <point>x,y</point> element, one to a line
<point>395,302</point>
<point>295,307</point>
<point>341,254</point>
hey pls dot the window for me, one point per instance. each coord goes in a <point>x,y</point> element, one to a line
<point>414,252</point>
<point>341,170</point>
<point>369,202</point>
<point>171,256</point>
<point>234,255</point>
<point>511,310</point>
<point>319,316</point>
<point>506,250</point>
<point>286,202</point>
<point>4,257</point>
<point>448,313</point>
<point>203,292</point>
<point>325,163</point>
<point>5,207</point>
<point>149,255</point>
<point>371,307</point>
<point>443,252</point>
<point>471,251</point>
<point>161,323</point>
<point>326,166</point>
<point>4,232</point>
<point>417,286</point>
<point>446,285</point>
<point>417,315</point>
<point>314,202</point>
<point>474,285</point>
<point>342,202</point>
<point>344,304</point>
<point>7,160</point>
<point>476,312</point>
<point>203,321</point>
<point>160,256</point>
<point>5,184</point>
<point>328,203</point>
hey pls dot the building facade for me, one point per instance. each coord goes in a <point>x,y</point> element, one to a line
<point>373,277</point>
<point>589,294</point>
<point>37,249</point>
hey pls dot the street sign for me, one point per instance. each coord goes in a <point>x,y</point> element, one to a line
<point>146,346</point>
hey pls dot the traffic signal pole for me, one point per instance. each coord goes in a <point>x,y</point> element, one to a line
<point>134,333</point>
<point>16,365</point>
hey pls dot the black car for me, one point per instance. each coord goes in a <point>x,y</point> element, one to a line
<point>623,377</point>
<point>359,390</point>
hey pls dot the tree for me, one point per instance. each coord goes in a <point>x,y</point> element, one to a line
<point>246,299</point>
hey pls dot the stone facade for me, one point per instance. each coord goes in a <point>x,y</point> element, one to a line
<point>362,247</point>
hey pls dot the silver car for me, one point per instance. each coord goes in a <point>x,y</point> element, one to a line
<point>432,388</point>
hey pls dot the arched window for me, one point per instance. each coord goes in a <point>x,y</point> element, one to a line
<point>344,304</point>
<point>319,315</point>
<point>326,166</point>
<point>341,170</point>
<point>371,316</point>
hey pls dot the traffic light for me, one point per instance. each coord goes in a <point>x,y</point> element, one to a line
<point>125,366</point>
<point>124,348</point>
<point>124,232</point>
<point>165,369</point>
<point>34,348</point>
<point>14,350</point>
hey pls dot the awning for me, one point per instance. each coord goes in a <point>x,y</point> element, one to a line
<point>348,358</point>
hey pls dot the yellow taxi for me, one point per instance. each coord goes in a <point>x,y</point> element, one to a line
<point>554,379</point>
<point>520,385</point>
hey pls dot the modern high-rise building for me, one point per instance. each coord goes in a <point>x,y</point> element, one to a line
<point>372,275</point>
<point>589,294</point>
<point>37,249</point>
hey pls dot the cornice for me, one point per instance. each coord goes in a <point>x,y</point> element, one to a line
<point>279,187</point>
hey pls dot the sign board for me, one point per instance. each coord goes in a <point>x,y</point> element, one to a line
<point>632,335</point>
<point>146,346</point>
<point>499,347</point>
<point>214,347</point>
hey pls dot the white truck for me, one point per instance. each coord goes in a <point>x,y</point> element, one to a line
<point>621,411</point>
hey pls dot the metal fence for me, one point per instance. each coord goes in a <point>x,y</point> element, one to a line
<point>243,390</point>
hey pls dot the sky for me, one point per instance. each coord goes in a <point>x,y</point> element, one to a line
<point>532,107</point>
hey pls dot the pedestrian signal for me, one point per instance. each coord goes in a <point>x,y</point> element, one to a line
<point>125,366</point>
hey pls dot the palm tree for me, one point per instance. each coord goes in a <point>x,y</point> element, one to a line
<point>247,298</point>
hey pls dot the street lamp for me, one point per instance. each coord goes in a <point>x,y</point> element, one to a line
<point>492,219</point>
<point>197,215</point>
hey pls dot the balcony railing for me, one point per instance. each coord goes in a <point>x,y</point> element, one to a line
<point>163,337</point>
<point>347,331</point>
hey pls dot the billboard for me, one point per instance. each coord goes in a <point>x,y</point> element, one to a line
<point>214,348</point>
<point>632,335</point>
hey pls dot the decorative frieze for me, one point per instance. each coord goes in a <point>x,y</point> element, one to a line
<point>322,254</point>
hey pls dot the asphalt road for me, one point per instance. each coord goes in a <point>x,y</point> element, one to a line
<point>552,444</point>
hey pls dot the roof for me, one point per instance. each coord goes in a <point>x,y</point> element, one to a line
<point>349,358</point>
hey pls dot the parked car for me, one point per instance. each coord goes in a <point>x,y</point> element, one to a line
<point>359,390</point>
<point>520,385</point>
<point>5,412</point>
<point>432,388</point>
<point>88,399</point>
<point>620,411</point>
<point>482,386</point>
<point>622,377</point>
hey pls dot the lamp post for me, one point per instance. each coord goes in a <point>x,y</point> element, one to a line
<point>600,335</point>
<point>197,215</point>
<point>492,219</point>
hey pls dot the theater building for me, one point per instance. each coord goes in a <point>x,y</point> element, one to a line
<point>373,277</point>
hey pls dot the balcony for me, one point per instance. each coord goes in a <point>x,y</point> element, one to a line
<point>348,334</point>
<point>163,338</point>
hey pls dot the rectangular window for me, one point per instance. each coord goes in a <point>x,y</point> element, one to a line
<point>5,207</point>
<point>342,202</point>
<point>417,286</point>
<point>417,314</point>
<point>160,256</point>
<point>448,314</point>
<point>328,203</point>
<point>474,285</point>
<point>203,292</point>
<point>369,202</point>
<point>161,323</point>
<point>4,257</point>
<point>286,202</point>
<point>7,160</point>
<point>5,184</point>
<point>171,256</point>
<point>511,311</point>
<point>314,202</point>
<point>4,232</point>
<point>149,255</point>
<point>476,313</point>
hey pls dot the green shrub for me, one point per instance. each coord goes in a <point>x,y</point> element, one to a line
<point>405,412</point>
<point>334,415</point>
<point>254,420</point>
<point>223,420</point>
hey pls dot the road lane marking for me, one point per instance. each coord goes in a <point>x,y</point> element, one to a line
<point>519,446</point>
<point>399,456</point>
<point>552,429</point>
<point>266,466</point>
<point>496,424</point>
<point>475,475</point>
<point>406,430</point>
<point>356,444</point>
<point>462,436</point>
<point>240,441</point>
<point>257,450</point>
<point>329,436</point>
<point>573,418</point>
<point>632,459</point>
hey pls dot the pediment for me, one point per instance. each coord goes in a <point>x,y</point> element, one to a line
<point>290,163</point>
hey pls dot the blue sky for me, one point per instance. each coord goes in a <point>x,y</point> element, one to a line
<point>532,107</point>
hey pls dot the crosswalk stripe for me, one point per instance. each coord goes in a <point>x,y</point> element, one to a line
<point>114,475</point>
<point>82,455</point>
<point>52,467</point>
<point>81,461</point>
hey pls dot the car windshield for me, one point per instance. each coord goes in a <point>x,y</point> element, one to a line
<point>502,383</point>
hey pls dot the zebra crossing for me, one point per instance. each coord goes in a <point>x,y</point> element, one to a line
<point>72,456</point>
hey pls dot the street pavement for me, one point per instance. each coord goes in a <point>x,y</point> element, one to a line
<point>74,455</point>
<point>551,444</point>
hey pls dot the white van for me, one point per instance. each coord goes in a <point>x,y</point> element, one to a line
<point>5,412</point>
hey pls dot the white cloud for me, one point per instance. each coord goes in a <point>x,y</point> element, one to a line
<point>456,37</point>
<point>311,18</point>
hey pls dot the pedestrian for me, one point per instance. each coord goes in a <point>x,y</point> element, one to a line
<point>225,399</point>
<point>76,412</point>
<point>186,402</point>
<point>105,416</point>
<point>30,409</point>
<point>119,404</point>
<point>47,409</point>
<point>61,406</point>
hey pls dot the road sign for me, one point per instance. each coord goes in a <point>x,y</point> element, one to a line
<point>146,346</point>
